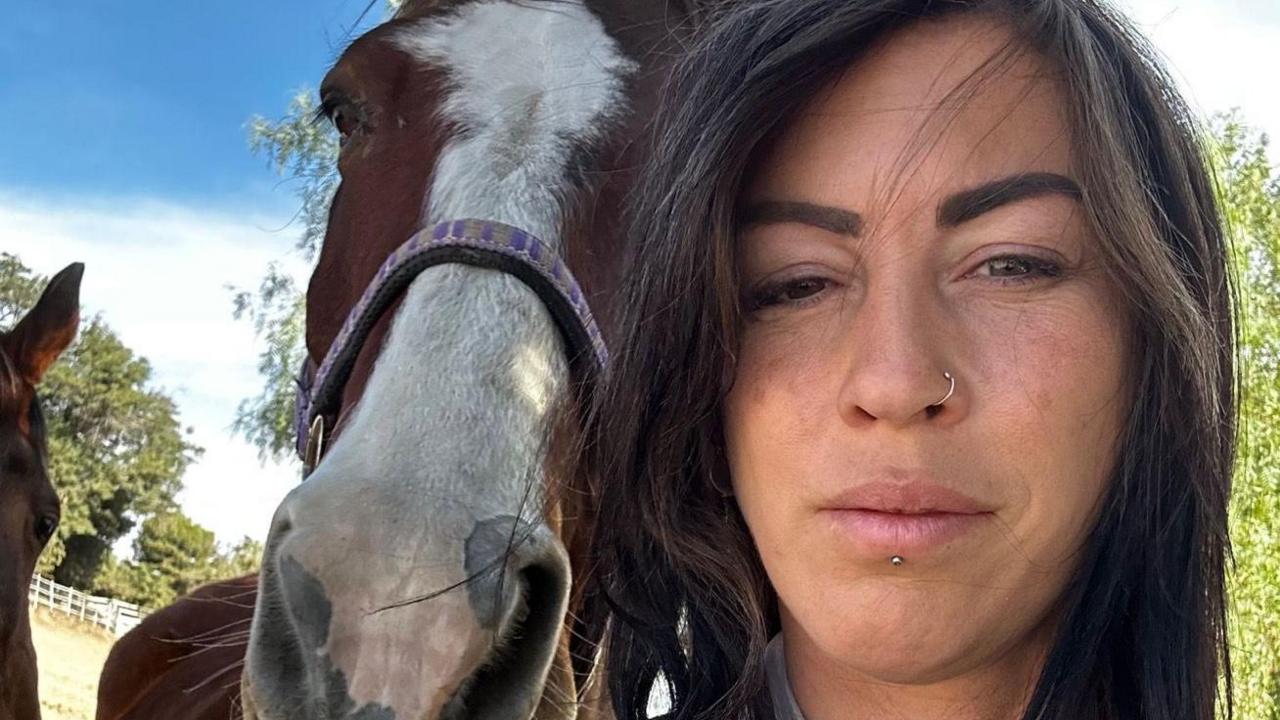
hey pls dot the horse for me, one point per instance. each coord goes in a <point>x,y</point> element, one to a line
<point>434,562</point>
<point>29,505</point>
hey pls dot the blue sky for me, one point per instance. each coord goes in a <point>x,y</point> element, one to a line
<point>124,146</point>
<point>151,97</point>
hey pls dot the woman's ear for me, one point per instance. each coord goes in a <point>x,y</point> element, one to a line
<point>44,332</point>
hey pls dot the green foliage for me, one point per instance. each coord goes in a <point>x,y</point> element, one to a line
<point>1250,193</point>
<point>278,312</point>
<point>243,558</point>
<point>133,583</point>
<point>173,555</point>
<point>176,548</point>
<point>305,150</point>
<point>116,449</point>
<point>299,146</point>
<point>19,290</point>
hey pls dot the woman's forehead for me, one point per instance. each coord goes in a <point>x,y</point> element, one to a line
<point>953,102</point>
<point>925,60</point>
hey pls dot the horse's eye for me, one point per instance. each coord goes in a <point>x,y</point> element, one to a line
<point>346,120</point>
<point>45,525</point>
<point>347,115</point>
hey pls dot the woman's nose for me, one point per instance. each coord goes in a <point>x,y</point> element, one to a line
<point>897,351</point>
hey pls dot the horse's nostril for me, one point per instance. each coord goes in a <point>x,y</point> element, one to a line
<point>277,661</point>
<point>506,687</point>
<point>307,601</point>
<point>286,673</point>
<point>281,527</point>
<point>282,522</point>
<point>519,589</point>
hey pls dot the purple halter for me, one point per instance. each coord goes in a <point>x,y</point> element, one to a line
<point>472,242</point>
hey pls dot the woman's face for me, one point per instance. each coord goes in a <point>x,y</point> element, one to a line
<point>888,241</point>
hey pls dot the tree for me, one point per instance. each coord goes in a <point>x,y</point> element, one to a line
<point>278,314</point>
<point>116,450</point>
<point>243,558</point>
<point>305,150</point>
<point>132,583</point>
<point>19,289</point>
<point>179,551</point>
<point>173,555</point>
<point>1250,193</point>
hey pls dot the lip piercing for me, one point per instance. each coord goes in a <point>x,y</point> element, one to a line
<point>896,560</point>
<point>950,390</point>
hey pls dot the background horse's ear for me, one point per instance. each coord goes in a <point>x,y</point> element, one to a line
<point>41,336</point>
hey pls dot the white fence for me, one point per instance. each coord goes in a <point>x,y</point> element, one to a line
<point>114,615</point>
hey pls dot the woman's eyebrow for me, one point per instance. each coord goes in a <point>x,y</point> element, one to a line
<point>831,219</point>
<point>969,204</point>
<point>955,209</point>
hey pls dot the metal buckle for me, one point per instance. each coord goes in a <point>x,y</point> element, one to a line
<point>315,446</point>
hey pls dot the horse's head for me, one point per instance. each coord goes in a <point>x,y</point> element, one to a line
<point>426,566</point>
<point>29,507</point>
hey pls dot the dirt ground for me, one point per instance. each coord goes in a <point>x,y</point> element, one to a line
<point>70,656</point>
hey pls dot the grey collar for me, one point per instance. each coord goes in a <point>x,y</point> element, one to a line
<point>785,706</point>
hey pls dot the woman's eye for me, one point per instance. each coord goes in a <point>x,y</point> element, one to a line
<point>1014,269</point>
<point>794,292</point>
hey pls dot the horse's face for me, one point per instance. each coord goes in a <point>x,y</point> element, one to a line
<point>423,569</point>
<point>29,507</point>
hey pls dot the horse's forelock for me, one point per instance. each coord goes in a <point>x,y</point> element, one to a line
<point>420,8</point>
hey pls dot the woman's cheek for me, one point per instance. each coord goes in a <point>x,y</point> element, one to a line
<point>1055,406</point>
<point>782,400</point>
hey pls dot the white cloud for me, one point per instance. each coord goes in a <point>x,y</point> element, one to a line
<point>158,273</point>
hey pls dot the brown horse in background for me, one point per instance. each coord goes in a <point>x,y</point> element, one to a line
<point>29,506</point>
<point>432,565</point>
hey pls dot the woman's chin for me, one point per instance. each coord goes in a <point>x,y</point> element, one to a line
<point>909,634</point>
<point>904,658</point>
<point>898,636</point>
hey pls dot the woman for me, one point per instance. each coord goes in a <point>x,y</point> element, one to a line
<point>925,409</point>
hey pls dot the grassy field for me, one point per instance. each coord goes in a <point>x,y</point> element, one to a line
<point>70,655</point>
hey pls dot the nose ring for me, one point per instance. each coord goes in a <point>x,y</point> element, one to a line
<point>950,390</point>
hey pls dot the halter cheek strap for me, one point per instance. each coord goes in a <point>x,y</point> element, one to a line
<point>471,242</point>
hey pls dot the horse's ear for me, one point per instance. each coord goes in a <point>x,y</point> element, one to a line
<point>41,336</point>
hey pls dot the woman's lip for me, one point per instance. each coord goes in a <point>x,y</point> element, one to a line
<point>917,496</point>
<point>884,534</point>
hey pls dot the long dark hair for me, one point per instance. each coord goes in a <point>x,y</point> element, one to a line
<point>690,607</point>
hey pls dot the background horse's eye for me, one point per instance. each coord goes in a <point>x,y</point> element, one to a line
<point>14,466</point>
<point>45,525</point>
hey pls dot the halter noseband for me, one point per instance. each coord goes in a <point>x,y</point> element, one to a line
<point>480,243</point>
